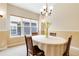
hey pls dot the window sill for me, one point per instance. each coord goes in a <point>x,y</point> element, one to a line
<point>18,36</point>
<point>15,36</point>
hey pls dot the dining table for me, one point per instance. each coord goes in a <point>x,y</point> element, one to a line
<point>51,45</point>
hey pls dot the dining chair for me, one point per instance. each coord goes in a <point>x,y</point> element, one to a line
<point>66,53</point>
<point>34,33</point>
<point>53,34</point>
<point>33,50</point>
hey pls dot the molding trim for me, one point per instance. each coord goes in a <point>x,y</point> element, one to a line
<point>74,51</point>
<point>3,48</point>
<point>66,30</point>
<point>3,30</point>
<point>72,47</point>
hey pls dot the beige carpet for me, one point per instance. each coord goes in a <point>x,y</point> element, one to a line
<point>20,51</point>
<point>14,51</point>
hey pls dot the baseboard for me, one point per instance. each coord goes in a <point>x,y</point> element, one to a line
<point>74,51</point>
<point>15,44</point>
<point>3,48</point>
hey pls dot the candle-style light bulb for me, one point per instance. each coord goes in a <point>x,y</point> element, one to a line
<point>51,7</point>
<point>44,7</point>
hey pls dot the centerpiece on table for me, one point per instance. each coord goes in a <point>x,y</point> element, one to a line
<point>47,25</point>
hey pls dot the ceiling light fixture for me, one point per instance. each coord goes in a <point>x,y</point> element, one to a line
<point>1,14</point>
<point>45,11</point>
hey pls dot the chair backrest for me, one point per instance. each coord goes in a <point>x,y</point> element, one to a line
<point>53,34</point>
<point>35,33</point>
<point>29,45</point>
<point>66,53</point>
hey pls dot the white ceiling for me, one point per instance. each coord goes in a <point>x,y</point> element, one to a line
<point>34,7</point>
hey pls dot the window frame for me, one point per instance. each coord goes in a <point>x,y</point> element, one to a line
<point>22,25</point>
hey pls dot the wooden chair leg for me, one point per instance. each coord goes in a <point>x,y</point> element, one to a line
<point>68,54</point>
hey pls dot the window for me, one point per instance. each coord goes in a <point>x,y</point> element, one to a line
<point>21,26</point>
<point>26,27</point>
<point>34,26</point>
<point>15,26</point>
<point>13,30</point>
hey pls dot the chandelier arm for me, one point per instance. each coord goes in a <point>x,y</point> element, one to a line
<point>46,11</point>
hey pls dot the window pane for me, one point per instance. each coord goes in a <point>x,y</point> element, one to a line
<point>34,29</point>
<point>26,30</point>
<point>26,23</point>
<point>19,29</point>
<point>19,25</point>
<point>33,24</point>
<point>13,30</point>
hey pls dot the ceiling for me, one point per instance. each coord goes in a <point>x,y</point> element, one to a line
<point>34,7</point>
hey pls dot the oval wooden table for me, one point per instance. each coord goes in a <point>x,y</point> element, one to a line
<point>52,46</point>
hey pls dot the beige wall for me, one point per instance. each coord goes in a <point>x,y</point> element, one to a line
<point>65,17</point>
<point>65,21</point>
<point>3,39</point>
<point>3,28</point>
<point>3,7</point>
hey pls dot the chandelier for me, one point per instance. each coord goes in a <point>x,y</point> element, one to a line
<point>44,17</point>
<point>46,11</point>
